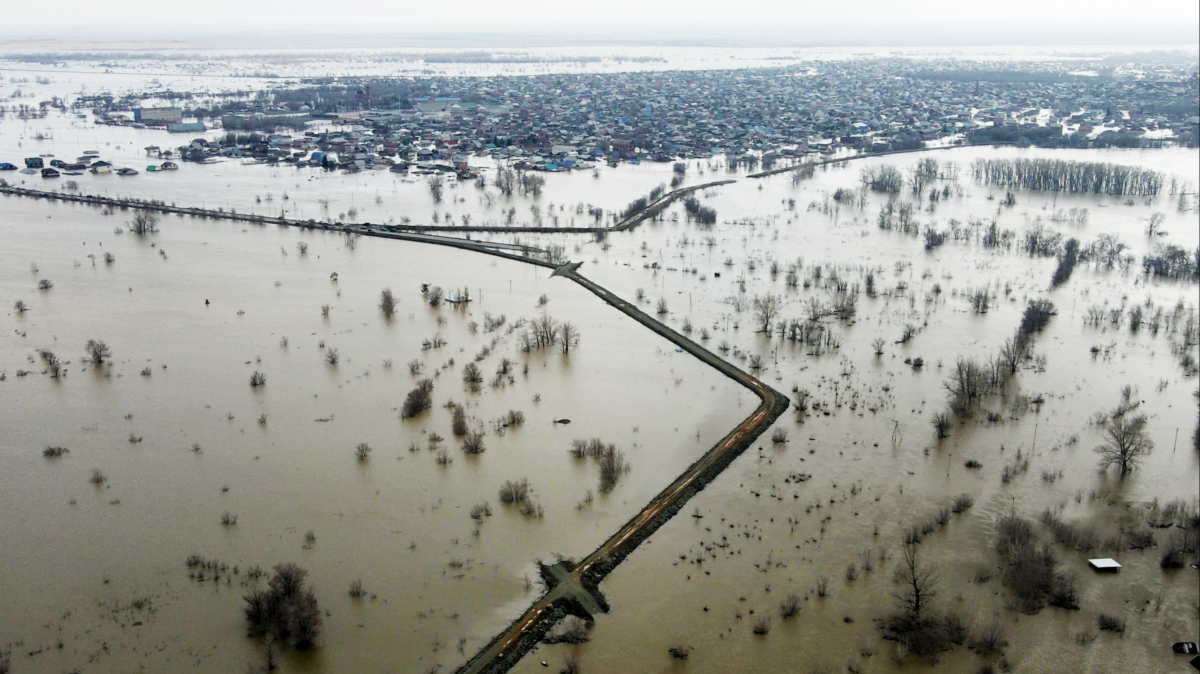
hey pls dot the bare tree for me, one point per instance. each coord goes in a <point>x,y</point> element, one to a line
<point>532,184</point>
<point>97,351</point>
<point>435,295</point>
<point>143,222</point>
<point>1010,356</point>
<point>1126,442</point>
<point>568,336</point>
<point>877,344</point>
<point>53,364</point>
<point>1154,225</point>
<point>387,302</point>
<point>544,331</point>
<point>435,189</point>
<point>941,425</point>
<point>471,374</point>
<point>918,586</point>
<point>506,181</point>
<point>766,309</point>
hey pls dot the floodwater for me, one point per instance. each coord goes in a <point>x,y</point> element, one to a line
<point>206,316</point>
<point>876,467</point>
<point>79,556</point>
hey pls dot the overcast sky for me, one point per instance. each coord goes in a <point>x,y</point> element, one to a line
<point>320,24</point>
<point>375,12</point>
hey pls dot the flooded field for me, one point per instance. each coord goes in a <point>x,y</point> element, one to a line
<point>195,460</point>
<point>182,438</point>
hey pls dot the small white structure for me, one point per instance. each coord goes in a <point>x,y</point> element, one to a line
<point>1107,564</point>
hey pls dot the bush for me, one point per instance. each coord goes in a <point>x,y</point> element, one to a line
<point>1076,536</point>
<point>1110,623</point>
<point>1066,262</point>
<point>990,641</point>
<point>612,467</point>
<point>480,511</point>
<point>510,419</point>
<point>1030,571</point>
<point>1037,315</point>
<point>941,425</point>
<point>471,374</point>
<point>679,652</point>
<point>418,400</point>
<point>790,606</point>
<point>1173,559</point>
<point>514,491</point>
<point>963,503</point>
<point>387,302</point>
<point>458,421</point>
<point>473,443</point>
<point>761,627</point>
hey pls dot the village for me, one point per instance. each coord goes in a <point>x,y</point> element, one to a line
<point>572,122</point>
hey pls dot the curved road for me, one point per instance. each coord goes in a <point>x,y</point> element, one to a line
<point>523,634</point>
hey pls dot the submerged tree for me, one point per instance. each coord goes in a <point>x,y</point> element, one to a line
<point>387,302</point>
<point>286,610</point>
<point>418,400</point>
<point>766,310</point>
<point>143,222</point>
<point>915,623</point>
<point>568,337</point>
<point>1126,442</point>
<point>97,351</point>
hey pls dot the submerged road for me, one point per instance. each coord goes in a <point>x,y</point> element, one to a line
<point>574,588</point>
<point>579,586</point>
<point>651,209</point>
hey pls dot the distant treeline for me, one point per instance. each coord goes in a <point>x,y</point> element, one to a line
<point>998,76</point>
<point>1026,134</point>
<point>1057,175</point>
<point>491,57</point>
<point>104,57</point>
<point>265,124</point>
<point>1053,137</point>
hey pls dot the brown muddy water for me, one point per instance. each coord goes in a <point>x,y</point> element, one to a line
<point>79,557</point>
